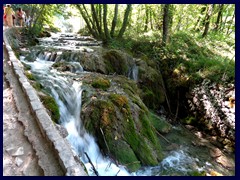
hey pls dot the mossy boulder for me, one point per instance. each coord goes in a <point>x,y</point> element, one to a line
<point>118,115</point>
<point>152,85</point>
<point>115,62</point>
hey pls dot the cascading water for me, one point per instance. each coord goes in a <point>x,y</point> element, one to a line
<point>68,95</point>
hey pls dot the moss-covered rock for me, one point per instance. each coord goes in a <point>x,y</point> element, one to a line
<point>115,62</point>
<point>118,115</point>
<point>51,106</point>
<point>161,125</point>
<point>101,83</point>
<point>151,84</point>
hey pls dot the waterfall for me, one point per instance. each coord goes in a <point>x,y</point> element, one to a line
<point>68,95</point>
<point>133,73</point>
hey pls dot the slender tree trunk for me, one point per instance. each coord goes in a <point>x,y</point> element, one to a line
<point>233,16</point>
<point>198,24</point>
<point>151,19</point>
<point>100,16</point>
<point>225,20</point>
<point>91,21</point>
<point>219,17</point>
<point>165,24</point>
<point>85,17</point>
<point>107,35</point>
<point>207,20</point>
<point>114,21</point>
<point>147,17</point>
<point>125,21</point>
<point>95,19</point>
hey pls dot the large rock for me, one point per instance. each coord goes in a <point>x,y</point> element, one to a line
<point>121,122</point>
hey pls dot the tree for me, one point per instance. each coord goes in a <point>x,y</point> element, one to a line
<point>165,24</point>
<point>198,25</point>
<point>219,17</point>
<point>114,21</point>
<point>98,24</point>
<point>207,19</point>
<point>125,21</point>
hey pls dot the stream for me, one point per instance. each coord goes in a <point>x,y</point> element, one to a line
<point>184,156</point>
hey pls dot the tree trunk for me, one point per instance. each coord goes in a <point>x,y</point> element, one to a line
<point>125,21</point>
<point>219,17</point>
<point>95,35</point>
<point>147,17</point>
<point>151,19</point>
<point>114,21</point>
<point>198,24</point>
<point>233,16</point>
<point>100,15</point>
<point>95,19</point>
<point>107,35</point>
<point>207,20</point>
<point>165,24</point>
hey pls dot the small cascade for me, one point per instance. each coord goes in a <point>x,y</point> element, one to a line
<point>76,67</point>
<point>133,73</point>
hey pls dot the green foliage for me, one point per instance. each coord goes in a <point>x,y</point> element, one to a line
<point>37,86</point>
<point>30,76</point>
<point>196,59</point>
<point>189,120</point>
<point>52,107</point>
<point>101,83</point>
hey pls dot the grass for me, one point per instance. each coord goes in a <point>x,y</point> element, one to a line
<point>211,57</point>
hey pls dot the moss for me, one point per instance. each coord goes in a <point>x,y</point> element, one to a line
<point>148,98</point>
<point>101,83</point>
<point>197,173</point>
<point>124,154</point>
<point>37,86</point>
<point>131,142</point>
<point>189,120</point>
<point>52,107</point>
<point>29,75</point>
<point>119,100</point>
<point>159,124</point>
<point>115,62</point>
